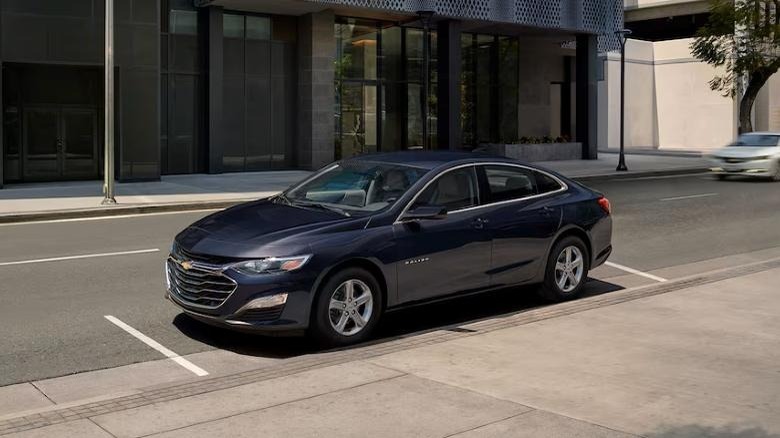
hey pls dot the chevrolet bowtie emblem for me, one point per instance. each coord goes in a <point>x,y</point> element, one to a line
<point>187,265</point>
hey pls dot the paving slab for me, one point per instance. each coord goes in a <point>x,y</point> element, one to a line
<point>705,357</point>
<point>112,380</point>
<point>405,406</point>
<point>75,429</point>
<point>183,412</point>
<point>21,397</point>
<point>537,423</point>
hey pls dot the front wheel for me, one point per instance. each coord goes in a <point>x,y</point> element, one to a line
<point>776,173</point>
<point>348,308</point>
<point>566,271</point>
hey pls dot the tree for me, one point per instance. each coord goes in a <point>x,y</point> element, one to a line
<point>743,37</point>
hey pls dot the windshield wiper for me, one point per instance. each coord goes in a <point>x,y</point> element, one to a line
<point>320,207</point>
<point>282,197</point>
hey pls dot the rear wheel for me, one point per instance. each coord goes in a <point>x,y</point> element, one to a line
<point>347,308</point>
<point>566,271</point>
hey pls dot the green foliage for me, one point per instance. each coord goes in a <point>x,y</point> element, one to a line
<point>743,37</point>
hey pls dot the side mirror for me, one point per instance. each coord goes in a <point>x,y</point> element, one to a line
<point>425,212</point>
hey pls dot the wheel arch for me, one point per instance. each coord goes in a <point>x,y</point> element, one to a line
<point>354,262</point>
<point>576,232</point>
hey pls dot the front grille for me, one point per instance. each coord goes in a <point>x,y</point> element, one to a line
<point>199,286</point>
<point>734,160</point>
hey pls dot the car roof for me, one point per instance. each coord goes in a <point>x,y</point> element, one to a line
<point>431,159</point>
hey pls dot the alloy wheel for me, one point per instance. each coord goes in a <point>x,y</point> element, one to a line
<point>569,267</point>
<point>351,307</point>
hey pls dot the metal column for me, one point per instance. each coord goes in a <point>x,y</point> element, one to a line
<point>108,169</point>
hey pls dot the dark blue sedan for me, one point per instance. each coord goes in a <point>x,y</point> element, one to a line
<point>372,234</point>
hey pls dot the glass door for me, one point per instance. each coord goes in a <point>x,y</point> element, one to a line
<point>79,143</point>
<point>42,144</point>
<point>60,143</point>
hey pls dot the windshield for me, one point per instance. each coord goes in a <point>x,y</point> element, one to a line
<point>355,187</point>
<point>756,140</point>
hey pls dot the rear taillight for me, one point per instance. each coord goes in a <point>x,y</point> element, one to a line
<point>605,205</point>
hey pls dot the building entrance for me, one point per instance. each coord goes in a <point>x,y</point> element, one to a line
<point>51,122</point>
<point>60,143</point>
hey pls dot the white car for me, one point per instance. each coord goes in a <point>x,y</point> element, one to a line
<point>754,154</point>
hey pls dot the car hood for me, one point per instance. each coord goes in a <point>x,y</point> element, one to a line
<point>261,229</point>
<point>745,151</point>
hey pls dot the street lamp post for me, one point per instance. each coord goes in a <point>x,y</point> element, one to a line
<point>622,37</point>
<point>108,136</point>
<point>425,17</point>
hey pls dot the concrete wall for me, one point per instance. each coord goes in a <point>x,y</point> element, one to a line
<point>316,48</point>
<point>767,108</point>
<point>669,104</point>
<point>541,63</point>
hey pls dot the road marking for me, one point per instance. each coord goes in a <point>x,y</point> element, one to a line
<point>681,175</point>
<point>82,256</point>
<point>102,218</point>
<point>634,271</point>
<point>157,346</point>
<point>700,195</point>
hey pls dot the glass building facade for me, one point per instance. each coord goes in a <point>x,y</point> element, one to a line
<point>233,86</point>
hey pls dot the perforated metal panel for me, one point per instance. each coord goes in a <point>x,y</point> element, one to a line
<point>601,17</point>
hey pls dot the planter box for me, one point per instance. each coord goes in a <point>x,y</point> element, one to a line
<point>537,152</point>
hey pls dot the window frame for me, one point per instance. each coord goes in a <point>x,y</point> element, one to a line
<point>484,190</point>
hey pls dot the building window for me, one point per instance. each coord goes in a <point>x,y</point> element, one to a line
<point>489,88</point>
<point>358,45</point>
<point>182,146</point>
<point>258,92</point>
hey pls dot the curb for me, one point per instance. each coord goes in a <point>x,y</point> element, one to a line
<point>118,210</point>
<point>640,174</point>
<point>220,204</point>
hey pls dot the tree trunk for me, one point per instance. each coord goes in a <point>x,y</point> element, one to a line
<point>757,81</point>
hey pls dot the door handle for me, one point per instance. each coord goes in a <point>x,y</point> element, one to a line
<point>479,223</point>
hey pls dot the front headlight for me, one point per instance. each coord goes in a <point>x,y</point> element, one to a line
<point>271,265</point>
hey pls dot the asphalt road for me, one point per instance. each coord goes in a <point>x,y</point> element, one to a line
<point>52,313</point>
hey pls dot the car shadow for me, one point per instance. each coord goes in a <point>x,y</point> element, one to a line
<point>446,314</point>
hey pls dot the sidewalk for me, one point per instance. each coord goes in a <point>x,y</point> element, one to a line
<point>178,192</point>
<point>688,358</point>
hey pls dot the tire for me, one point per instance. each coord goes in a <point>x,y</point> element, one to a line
<point>330,325</point>
<point>776,174</point>
<point>558,284</point>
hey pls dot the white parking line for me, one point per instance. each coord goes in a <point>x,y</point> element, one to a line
<point>81,256</point>
<point>634,271</point>
<point>677,198</point>
<point>157,346</point>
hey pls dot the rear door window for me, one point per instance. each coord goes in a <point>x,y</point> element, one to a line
<point>545,183</point>
<point>510,182</point>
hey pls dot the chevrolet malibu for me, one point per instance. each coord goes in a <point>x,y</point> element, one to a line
<point>755,154</point>
<point>376,233</point>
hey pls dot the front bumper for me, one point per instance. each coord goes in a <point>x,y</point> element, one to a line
<point>234,313</point>
<point>748,168</point>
